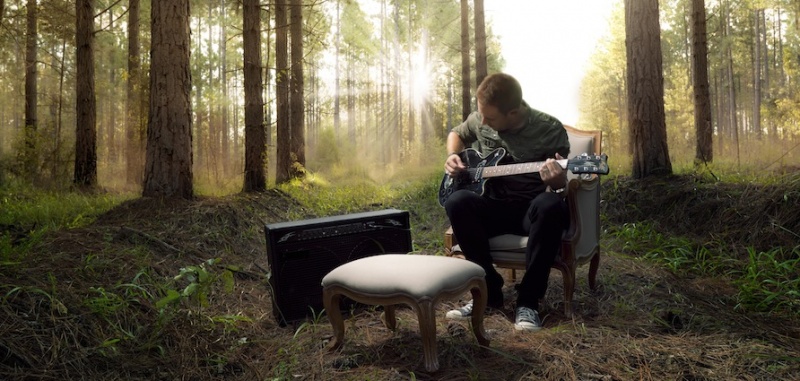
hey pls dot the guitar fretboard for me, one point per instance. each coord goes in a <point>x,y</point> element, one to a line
<point>517,169</point>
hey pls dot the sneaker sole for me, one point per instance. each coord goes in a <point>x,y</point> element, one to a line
<point>453,316</point>
<point>519,327</point>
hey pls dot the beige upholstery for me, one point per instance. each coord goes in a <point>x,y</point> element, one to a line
<point>580,244</point>
<point>419,281</point>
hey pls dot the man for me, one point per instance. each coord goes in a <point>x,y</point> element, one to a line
<point>528,204</point>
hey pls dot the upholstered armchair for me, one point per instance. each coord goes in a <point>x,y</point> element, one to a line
<point>579,245</point>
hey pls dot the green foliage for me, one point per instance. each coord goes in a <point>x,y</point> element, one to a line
<point>199,281</point>
<point>677,254</point>
<point>26,213</point>
<point>730,36</point>
<point>767,281</point>
<point>42,209</point>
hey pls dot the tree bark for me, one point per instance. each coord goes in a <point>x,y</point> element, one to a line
<point>168,169</point>
<point>255,153</point>
<point>133,132</point>
<point>225,139</point>
<point>86,107</point>
<point>481,70</point>
<point>297,92</point>
<point>336,97</point>
<point>465,94</point>
<point>284,148</point>
<point>646,89</point>
<point>31,88</point>
<point>757,31</point>
<point>702,99</point>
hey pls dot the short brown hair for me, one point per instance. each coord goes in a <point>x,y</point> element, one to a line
<point>500,90</point>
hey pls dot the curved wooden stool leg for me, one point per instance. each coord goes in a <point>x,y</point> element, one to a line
<point>330,299</point>
<point>427,329</point>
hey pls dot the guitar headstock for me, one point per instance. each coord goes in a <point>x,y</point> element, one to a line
<point>586,163</point>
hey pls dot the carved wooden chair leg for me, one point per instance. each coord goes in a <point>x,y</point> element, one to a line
<point>569,290</point>
<point>388,317</point>
<point>478,296</point>
<point>593,266</point>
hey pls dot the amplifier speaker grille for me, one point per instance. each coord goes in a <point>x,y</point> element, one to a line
<point>301,253</point>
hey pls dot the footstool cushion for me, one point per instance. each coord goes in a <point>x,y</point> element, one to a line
<point>419,281</point>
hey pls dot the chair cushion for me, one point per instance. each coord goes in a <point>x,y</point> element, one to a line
<point>508,242</point>
<point>505,242</point>
<point>418,276</point>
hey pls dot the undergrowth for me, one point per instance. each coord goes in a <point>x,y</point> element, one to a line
<point>767,281</point>
<point>139,288</point>
<point>27,213</point>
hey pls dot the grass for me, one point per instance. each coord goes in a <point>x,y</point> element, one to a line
<point>27,213</point>
<point>767,281</point>
<point>186,293</point>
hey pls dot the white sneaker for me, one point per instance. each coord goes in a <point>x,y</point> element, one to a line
<point>527,320</point>
<point>464,312</point>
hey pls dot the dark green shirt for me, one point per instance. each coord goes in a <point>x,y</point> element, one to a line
<point>539,139</point>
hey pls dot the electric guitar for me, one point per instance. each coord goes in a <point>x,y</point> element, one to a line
<point>480,169</point>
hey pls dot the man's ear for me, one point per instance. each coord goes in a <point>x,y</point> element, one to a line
<point>513,113</point>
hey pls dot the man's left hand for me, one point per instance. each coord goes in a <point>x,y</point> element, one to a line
<point>552,174</point>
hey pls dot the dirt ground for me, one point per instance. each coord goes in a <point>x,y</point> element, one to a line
<point>83,306</point>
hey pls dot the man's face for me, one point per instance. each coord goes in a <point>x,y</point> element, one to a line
<point>495,119</point>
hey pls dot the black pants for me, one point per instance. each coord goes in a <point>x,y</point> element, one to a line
<point>476,218</point>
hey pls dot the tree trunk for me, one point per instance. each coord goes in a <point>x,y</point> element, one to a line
<point>646,89</point>
<point>168,169</point>
<point>412,125</point>
<point>730,79</point>
<point>336,98</point>
<point>396,151</point>
<point>284,148</point>
<point>86,108</point>
<point>350,97</point>
<point>255,153</point>
<point>225,138</point>
<point>702,100</point>
<point>133,132</point>
<point>267,81</point>
<point>757,31</point>
<point>465,96</point>
<point>31,91</point>
<point>481,70</point>
<point>381,133</point>
<point>297,93</point>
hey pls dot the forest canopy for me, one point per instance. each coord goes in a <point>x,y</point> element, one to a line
<point>381,78</point>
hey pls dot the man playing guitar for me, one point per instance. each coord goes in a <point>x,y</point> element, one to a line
<point>529,204</point>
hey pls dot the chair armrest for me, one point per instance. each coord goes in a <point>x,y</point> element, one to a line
<point>570,239</point>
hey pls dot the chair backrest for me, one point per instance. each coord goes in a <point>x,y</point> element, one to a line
<point>581,141</point>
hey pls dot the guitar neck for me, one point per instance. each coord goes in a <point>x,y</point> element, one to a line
<point>518,168</point>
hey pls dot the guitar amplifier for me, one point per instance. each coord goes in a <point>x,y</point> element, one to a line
<point>301,253</point>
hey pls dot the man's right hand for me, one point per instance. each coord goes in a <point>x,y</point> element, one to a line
<point>453,165</point>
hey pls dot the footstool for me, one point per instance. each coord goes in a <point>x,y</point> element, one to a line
<point>420,281</point>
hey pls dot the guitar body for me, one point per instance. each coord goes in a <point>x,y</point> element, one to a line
<point>471,179</point>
